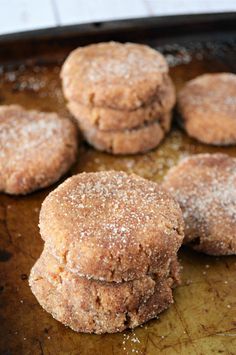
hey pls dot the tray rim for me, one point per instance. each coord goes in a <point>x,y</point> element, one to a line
<point>116,25</point>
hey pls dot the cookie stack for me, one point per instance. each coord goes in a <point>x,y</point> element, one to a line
<point>120,94</point>
<point>109,261</point>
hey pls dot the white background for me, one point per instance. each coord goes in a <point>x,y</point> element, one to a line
<point>23,15</point>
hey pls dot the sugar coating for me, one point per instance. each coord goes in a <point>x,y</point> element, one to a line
<point>205,187</point>
<point>112,74</point>
<point>111,226</point>
<point>36,148</point>
<point>95,306</point>
<point>208,108</point>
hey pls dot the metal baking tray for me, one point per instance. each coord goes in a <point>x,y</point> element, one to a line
<point>203,318</point>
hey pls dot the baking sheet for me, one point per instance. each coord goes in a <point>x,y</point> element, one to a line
<point>203,317</point>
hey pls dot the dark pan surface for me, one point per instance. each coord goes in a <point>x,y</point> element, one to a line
<point>203,317</point>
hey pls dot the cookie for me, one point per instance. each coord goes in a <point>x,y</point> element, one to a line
<point>207,105</point>
<point>130,141</point>
<point>107,119</point>
<point>205,187</point>
<point>36,149</point>
<point>95,306</point>
<point>114,75</point>
<point>111,226</point>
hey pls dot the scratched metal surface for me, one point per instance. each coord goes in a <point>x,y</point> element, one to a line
<point>203,317</point>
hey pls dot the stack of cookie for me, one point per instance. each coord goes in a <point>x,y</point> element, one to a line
<point>110,256</point>
<point>120,94</point>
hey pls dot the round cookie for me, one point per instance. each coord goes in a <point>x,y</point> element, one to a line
<point>205,187</point>
<point>208,108</point>
<point>111,226</point>
<point>107,119</point>
<point>130,141</point>
<point>120,76</point>
<point>95,306</point>
<point>36,149</point>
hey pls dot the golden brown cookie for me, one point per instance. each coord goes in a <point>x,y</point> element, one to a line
<point>107,119</point>
<point>115,75</point>
<point>129,141</point>
<point>208,108</point>
<point>36,149</point>
<point>111,226</point>
<point>205,187</point>
<point>95,306</point>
